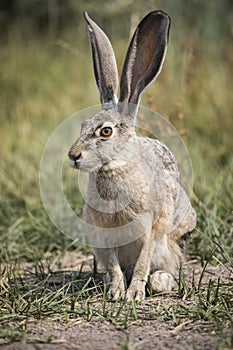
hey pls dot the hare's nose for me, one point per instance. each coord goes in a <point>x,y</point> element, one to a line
<point>74,156</point>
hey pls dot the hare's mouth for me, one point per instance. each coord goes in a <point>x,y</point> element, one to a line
<point>74,163</point>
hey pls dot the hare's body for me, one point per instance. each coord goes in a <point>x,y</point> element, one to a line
<point>134,189</point>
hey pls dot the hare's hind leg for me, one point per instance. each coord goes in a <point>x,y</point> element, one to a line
<point>164,265</point>
<point>168,254</point>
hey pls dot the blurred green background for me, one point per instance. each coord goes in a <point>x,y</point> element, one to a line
<point>46,75</point>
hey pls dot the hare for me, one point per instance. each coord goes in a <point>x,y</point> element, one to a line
<point>132,178</point>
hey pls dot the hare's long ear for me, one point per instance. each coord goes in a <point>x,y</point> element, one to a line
<point>145,56</point>
<point>104,62</point>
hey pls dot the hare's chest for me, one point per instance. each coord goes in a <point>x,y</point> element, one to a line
<point>115,200</point>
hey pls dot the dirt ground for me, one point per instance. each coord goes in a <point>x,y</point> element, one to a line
<point>148,334</point>
<point>95,335</point>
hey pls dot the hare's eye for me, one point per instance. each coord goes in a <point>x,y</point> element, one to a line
<point>106,131</point>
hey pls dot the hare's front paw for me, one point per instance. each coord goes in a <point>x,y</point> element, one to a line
<point>116,291</point>
<point>136,291</point>
<point>116,287</point>
<point>162,281</point>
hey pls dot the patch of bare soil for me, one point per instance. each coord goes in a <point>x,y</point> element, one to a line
<point>149,335</point>
<point>146,334</point>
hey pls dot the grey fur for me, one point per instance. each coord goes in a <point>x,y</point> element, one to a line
<point>144,58</point>
<point>104,63</point>
<point>131,175</point>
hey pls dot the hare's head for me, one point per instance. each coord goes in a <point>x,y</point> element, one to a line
<point>105,137</point>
